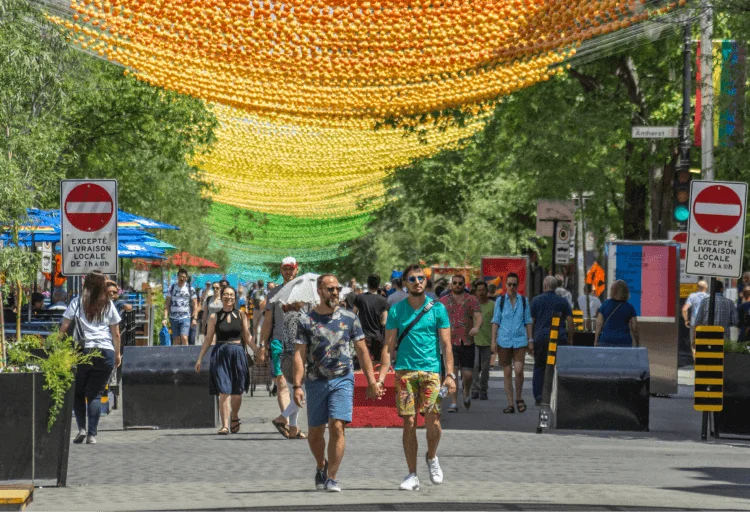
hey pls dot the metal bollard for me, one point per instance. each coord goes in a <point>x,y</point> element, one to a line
<point>545,412</point>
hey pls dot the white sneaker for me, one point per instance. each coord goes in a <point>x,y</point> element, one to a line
<point>332,485</point>
<point>81,437</point>
<point>90,439</point>
<point>433,466</point>
<point>410,483</point>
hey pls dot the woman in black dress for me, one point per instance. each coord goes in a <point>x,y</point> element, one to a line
<point>230,374</point>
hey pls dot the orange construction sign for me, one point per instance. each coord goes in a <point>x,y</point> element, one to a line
<point>596,278</point>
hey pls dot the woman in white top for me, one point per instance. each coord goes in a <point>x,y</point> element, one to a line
<point>98,319</point>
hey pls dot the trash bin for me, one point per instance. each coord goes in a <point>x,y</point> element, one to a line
<point>601,388</point>
<point>161,388</point>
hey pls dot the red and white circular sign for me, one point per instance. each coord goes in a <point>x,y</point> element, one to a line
<point>717,209</point>
<point>682,239</point>
<point>89,207</point>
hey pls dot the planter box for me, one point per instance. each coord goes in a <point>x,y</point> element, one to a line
<point>17,393</point>
<point>735,418</point>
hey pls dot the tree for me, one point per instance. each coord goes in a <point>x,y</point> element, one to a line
<point>32,56</point>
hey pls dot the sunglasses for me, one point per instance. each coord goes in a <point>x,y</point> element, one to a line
<point>414,279</point>
<point>511,284</point>
<point>337,289</point>
<point>457,283</point>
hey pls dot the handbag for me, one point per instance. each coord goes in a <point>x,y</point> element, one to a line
<point>78,335</point>
<point>245,344</point>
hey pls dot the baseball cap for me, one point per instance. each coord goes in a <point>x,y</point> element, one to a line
<point>289,262</point>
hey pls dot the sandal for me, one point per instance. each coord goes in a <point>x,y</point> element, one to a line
<point>521,405</point>
<point>224,431</point>
<point>235,426</point>
<point>509,410</point>
<point>282,428</point>
<point>298,435</point>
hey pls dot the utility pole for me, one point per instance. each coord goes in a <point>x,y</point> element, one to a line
<point>687,81</point>
<point>707,136</point>
<point>707,90</point>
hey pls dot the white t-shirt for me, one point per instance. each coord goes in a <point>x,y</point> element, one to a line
<point>97,334</point>
<point>594,303</point>
<point>179,307</point>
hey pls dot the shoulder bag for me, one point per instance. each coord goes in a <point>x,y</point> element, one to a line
<point>414,322</point>
<point>77,331</point>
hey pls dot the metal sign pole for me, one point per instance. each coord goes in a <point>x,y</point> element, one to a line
<point>554,246</point>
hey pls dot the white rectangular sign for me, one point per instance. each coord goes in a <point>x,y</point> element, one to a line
<point>46,257</point>
<point>655,132</point>
<point>88,215</point>
<point>716,228</point>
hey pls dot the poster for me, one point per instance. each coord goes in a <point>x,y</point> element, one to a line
<point>495,270</point>
<point>651,273</point>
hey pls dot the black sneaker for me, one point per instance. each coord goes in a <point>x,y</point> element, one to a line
<point>483,396</point>
<point>475,396</point>
<point>537,402</point>
<point>321,475</point>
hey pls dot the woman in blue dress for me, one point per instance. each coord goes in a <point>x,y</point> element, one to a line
<point>616,321</point>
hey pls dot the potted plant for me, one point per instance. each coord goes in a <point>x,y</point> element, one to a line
<point>36,407</point>
<point>735,416</point>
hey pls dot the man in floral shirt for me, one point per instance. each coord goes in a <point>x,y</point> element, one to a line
<point>327,339</point>
<point>465,316</point>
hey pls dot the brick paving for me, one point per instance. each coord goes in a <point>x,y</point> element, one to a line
<point>491,461</point>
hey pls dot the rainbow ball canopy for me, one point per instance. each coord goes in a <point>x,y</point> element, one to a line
<point>299,87</point>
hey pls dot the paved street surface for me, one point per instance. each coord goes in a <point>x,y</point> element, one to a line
<point>491,461</point>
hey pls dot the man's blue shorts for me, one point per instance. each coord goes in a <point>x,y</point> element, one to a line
<point>329,399</point>
<point>180,326</point>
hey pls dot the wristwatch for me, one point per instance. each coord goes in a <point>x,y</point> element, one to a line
<point>451,375</point>
<point>296,387</point>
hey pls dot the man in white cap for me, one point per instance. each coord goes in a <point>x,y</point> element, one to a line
<point>273,333</point>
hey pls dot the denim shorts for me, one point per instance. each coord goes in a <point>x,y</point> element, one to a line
<point>180,326</point>
<point>329,399</point>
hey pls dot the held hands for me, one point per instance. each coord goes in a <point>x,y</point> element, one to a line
<point>450,384</point>
<point>299,397</point>
<point>376,390</point>
<point>260,355</point>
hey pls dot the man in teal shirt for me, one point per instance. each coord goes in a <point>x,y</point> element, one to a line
<point>418,369</point>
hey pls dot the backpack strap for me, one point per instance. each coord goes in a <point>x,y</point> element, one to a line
<point>502,306</point>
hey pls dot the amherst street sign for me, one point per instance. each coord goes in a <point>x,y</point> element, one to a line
<point>655,132</point>
<point>716,228</point>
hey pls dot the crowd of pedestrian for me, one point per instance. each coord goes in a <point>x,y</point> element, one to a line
<point>439,338</point>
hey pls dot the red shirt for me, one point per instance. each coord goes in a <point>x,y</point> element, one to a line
<point>461,315</point>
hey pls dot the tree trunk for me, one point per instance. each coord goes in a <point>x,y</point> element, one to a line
<point>661,198</point>
<point>634,215</point>
<point>19,309</point>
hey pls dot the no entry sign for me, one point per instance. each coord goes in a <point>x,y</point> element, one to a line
<point>716,228</point>
<point>88,214</point>
<point>89,207</point>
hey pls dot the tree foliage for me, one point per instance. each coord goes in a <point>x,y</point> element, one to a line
<point>67,114</point>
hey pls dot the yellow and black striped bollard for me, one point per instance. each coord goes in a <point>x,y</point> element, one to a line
<point>709,372</point>
<point>578,320</point>
<point>549,374</point>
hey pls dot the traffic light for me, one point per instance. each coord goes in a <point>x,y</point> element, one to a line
<point>681,209</point>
